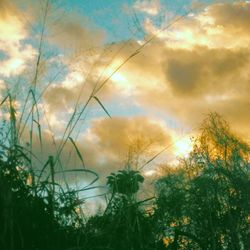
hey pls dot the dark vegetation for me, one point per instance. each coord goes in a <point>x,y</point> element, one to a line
<point>202,204</point>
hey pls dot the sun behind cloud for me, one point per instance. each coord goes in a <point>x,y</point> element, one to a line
<point>182,147</point>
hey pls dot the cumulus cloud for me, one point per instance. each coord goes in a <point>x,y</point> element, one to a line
<point>150,7</point>
<point>108,145</point>
<point>187,77</point>
<point>88,72</point>
<point>198,66</point>
<point>117,135</point>
<point>77,86</point>
<point>67,32</point>
<point>75,32</point>
<point>60,97</point>
<point>216,26</point>
<point>112,143</point>
<point>15,55</point>
<point>232,17</point>
<point>204,71</point>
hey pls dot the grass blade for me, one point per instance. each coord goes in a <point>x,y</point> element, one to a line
<point>105,110</point>
<point>3,101</point>
<point>77,151</point>
<point>39,132</point>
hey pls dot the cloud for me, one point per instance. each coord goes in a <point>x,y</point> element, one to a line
<point>204,71</point>
<point>15,54</point>
<point>107,145</point>
<point>60,98</point>
<point>77,86</point>
<point>6,7</point>
<point>150,7</point>
<point>232,17</point>
<point>65,29</point>
<point>203,80</point>
<point>198,66</point>
<point>130,130</point>
<point>84,73</point>
<point>75,32</point>
<point>216,26</point>
<point>186,82</point>
<point>105,148</point>
<point>111,143</point>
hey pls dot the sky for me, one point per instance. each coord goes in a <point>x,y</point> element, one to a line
<point>157,67</point>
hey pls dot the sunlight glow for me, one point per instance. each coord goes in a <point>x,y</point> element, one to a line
<point>15,63</point>
<point>183,147</point>
<point>120,79</point>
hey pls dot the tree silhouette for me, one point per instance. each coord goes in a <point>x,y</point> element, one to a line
<point>125,182</point>
<point>205,205</point>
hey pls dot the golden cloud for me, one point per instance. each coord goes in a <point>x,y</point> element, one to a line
<point>107,145</point>
<point>13,32</point>
<point>199,65</point>
<point>217,26</point>
<point>232,17</point>
<point>203,71</point>
<point>202,68</point>
<point>202,80</point>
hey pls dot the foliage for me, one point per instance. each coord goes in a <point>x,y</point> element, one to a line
<point>206,204</point>
<point>34,213</point>
<point>28,218</point>
<point>125,182</point>
<point>124,225</point>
